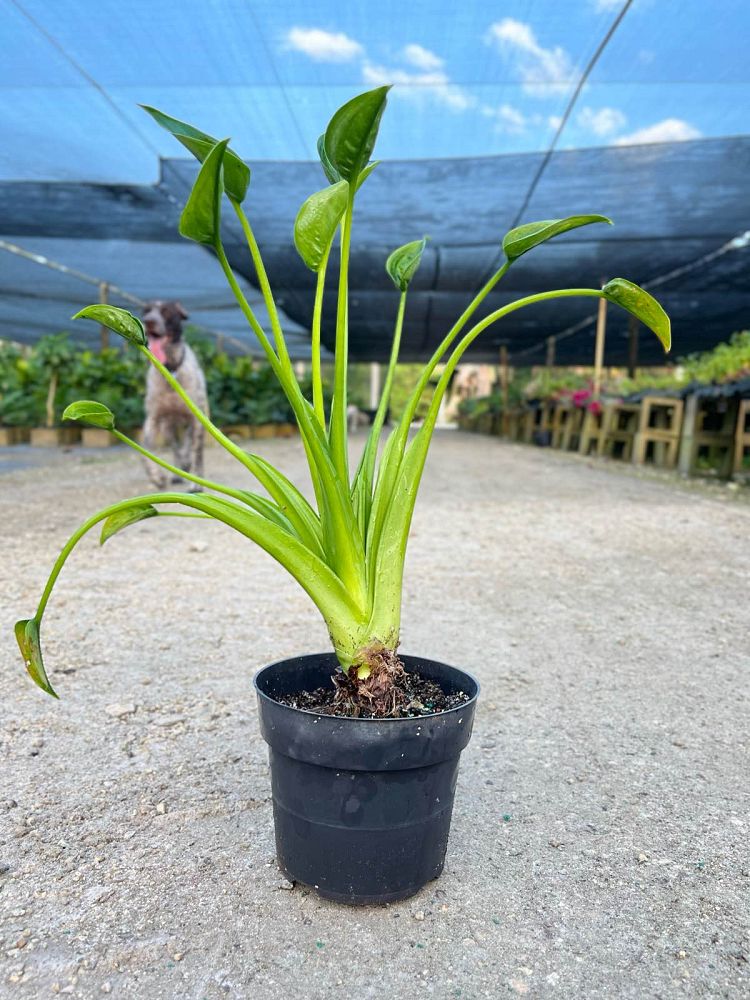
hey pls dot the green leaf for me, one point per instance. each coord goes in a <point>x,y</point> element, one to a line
<point>319,218</point>
<point>642,305</point>
<point>201,216</point>
<point>118,320</point>
<point>200,144</point>
<point>124,518</point>
<point>317,222</point>
<point>27,636</point>
<point>351,133</point>
<point>403,263</point>
<point>531,234</point>
<point>88,411</point>
<point>328,168</point>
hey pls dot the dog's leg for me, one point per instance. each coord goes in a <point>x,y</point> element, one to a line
<point>154,473</point>
<point>197,437</point>
<point>180,442</point>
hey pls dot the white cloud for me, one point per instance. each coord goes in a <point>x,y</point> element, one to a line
<point>507,118</point>
<point>668,130</point>
<point>603,121</point>
<point>542,71</point>
<point>323,46</point>
<point>602,5</point>
<point>554,121</point>
<point>418,86</point>
<point>422,58</point>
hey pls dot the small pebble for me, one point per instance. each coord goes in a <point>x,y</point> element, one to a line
<point>642,858</point>
<point>286,885</point>
<point>106,987</point>
<point>178,956</point>
<point>161,808</point>
<point>165,721</point>
<point>198,546</point>
<point>419,915</point>
<point>119,711</point>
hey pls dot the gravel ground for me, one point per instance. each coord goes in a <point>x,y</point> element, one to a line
<point>599,844</point>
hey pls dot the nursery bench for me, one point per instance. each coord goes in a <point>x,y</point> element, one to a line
<point>741,462</point>
<point>619,426</point>
<point>560,419</point>
<point>571,435</point>
<point>657,439</point>
<point>708,435</point>
<point>591,432</point>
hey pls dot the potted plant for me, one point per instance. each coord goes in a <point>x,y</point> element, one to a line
<point>51,363</point>
<point>17,406</point>
<point>364,744</point>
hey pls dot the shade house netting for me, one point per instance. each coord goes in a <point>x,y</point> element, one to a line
<point>637,111</point>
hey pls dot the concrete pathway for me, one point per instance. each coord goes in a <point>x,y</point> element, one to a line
<point>599,844</point>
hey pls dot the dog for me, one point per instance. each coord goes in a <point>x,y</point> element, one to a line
<point>167,417</point>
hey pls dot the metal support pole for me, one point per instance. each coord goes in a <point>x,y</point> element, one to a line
<point>504,376</point>
<point>374,385</point>
<point>103,331</point>
<point>551,352</point>
<point>633,331</point>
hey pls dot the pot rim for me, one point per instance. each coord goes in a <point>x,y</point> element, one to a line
<point>407,657</point>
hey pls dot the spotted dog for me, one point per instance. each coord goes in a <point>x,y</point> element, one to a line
<point>167,417</point>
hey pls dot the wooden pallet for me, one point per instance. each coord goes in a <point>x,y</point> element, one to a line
<point>741,462</point>
<point>592,433</point>
<point>571,435</point>
<point>535,421</point>
<point>619,426</point>
<point>508,425</point>
<point>657,440</point>
<point>707,444</point>
<point>559,419</point>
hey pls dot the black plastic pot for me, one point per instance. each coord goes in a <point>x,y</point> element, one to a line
<point>362,807</point>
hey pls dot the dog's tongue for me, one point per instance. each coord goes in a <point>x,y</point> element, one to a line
<point>156,348</point>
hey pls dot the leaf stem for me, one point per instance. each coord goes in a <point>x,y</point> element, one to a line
<point>317,378</point>
<point>303,518</point>
<point>198,480</point>
<point>265,286</point>
<point>338,428</point>
<point>465,316</point>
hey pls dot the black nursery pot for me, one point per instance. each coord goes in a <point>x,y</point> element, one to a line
<point>362,807</point>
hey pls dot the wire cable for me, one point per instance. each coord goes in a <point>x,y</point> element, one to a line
<point>556,137</point>
<point>739,242</point>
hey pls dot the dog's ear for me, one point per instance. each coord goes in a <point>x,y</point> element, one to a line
<point>181,312</point>
<point>173,314</point>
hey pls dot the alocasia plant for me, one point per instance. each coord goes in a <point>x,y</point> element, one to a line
<point>347,549</point>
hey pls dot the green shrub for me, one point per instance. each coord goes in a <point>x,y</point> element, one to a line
<point>725,363</point>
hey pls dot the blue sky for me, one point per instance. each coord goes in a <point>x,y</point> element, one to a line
<point>470,79</point>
